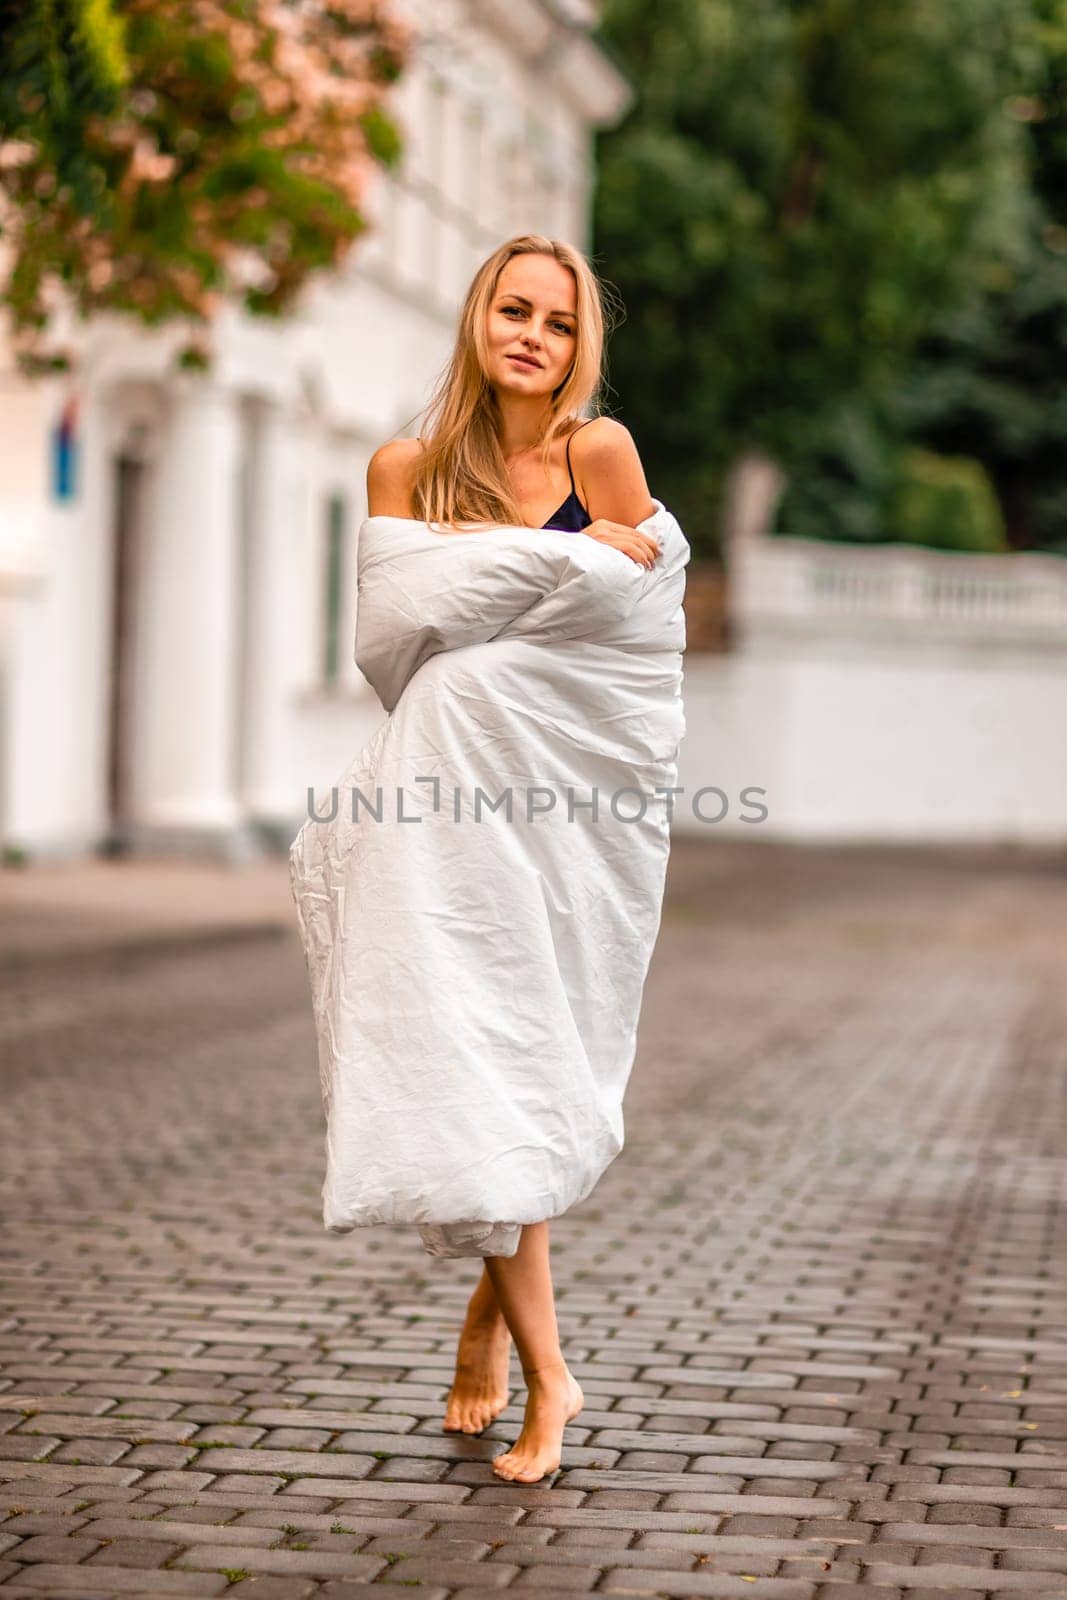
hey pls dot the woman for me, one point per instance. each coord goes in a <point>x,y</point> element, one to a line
<point>502,445</point>
<point>530,349</point>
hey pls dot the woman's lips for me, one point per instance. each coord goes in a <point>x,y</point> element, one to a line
<point>525,363</point>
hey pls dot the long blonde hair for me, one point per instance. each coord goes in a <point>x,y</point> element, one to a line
<point>461,475</point>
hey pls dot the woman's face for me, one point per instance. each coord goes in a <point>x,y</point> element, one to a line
<point>531,326</point>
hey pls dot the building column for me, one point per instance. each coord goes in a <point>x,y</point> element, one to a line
<point>185,778</point>
<point>273,530</point>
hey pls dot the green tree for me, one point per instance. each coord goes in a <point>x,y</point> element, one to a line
<point>989,381</point>
<point>69,58</point>
<point>992,380</point>
<point>803,188</point>
<point>221,153</point>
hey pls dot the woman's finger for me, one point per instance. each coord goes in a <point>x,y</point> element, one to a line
<point>640,547</point>
<point>626,537</point>
<point>646,541</point>
<point>642,554</point>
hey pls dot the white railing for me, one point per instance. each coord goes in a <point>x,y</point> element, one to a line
<point>791,585</point>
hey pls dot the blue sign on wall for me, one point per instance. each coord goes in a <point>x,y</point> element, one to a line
<point>65,453</point>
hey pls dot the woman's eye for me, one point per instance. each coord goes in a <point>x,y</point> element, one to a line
<point>512,308</point>
<point>561,327</point>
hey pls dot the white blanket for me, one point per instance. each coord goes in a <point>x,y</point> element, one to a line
<point>476,981</point>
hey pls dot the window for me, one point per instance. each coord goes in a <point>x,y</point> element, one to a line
<point>434,133</point>
<point>471,162</point>
<point>334,587</point>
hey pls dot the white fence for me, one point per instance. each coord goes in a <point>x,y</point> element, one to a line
<point>779,586</point>
<point>883,693</point>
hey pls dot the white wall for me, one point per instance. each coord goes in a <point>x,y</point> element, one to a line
<point>885,694</point>
<point>865,750</point>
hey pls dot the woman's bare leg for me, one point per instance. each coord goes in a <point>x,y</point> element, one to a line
<point>481,1386</point>
<point>523,1287</point>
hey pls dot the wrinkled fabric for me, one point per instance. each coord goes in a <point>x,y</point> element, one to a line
<point>476,981</point>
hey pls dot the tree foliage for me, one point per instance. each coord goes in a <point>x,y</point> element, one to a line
<point>69,55</point>
<point>992,379</point>
<point>221,150</point>
<point>803,189</point>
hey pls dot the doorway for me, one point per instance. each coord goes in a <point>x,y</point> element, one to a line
<point>126,544</point>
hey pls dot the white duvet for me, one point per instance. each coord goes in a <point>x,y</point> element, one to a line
<point>476,981</point>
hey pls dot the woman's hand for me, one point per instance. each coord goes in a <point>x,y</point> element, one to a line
<point>641,547</point>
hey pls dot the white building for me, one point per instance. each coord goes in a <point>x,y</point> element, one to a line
<point>176,638</point>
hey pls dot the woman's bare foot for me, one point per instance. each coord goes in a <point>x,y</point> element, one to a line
<point>554,1399</point>
<point>481,1386</point>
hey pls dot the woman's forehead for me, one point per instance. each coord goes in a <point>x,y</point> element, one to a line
<point>539,279</point>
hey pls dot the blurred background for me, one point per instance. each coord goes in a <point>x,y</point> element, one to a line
<point>235,237</point>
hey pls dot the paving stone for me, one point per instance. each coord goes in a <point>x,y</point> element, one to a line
<point>533,1497</point>
<point>304,1563</point>
<point>960,1557</point>
<point>259,1587</point>
<point>890,1549</point>
<point>168,1531</point>
<point>860,1591</point>
<point>136,1553</point>
<point>601,1537</point>
<point>483,1513</point>
<point>105,1581</point>
<point>545,1580</point>
<point>22,1524</point>
<point>440,1570</point>
<point>968,1515</point>
<point>1045,1561</point>
<point>755,1505</point>
<point>340,1590</point>
<point>768,1527</point>
<point>26,1447</point>
<point>723,1586</point>
<point>947,1574</point>
<point>530,1592</point>
<point>57,1547</point>
<point>940,1593</point>
<point>417,1542</point>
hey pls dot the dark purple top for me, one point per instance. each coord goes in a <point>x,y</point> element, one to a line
<point>572,516</point>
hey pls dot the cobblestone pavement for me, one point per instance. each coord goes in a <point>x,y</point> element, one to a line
<point>818,1305</point>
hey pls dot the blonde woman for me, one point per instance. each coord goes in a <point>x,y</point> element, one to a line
<point>497,435</point>
<point>508,1042</point>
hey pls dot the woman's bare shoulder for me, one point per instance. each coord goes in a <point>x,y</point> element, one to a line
<point>389,477</point>
<point>608,468</point>
<point>604,438</point>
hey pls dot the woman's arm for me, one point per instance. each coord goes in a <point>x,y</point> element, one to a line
<point>611,485</point>
<point>389,475</point>
<point>608,469</point>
